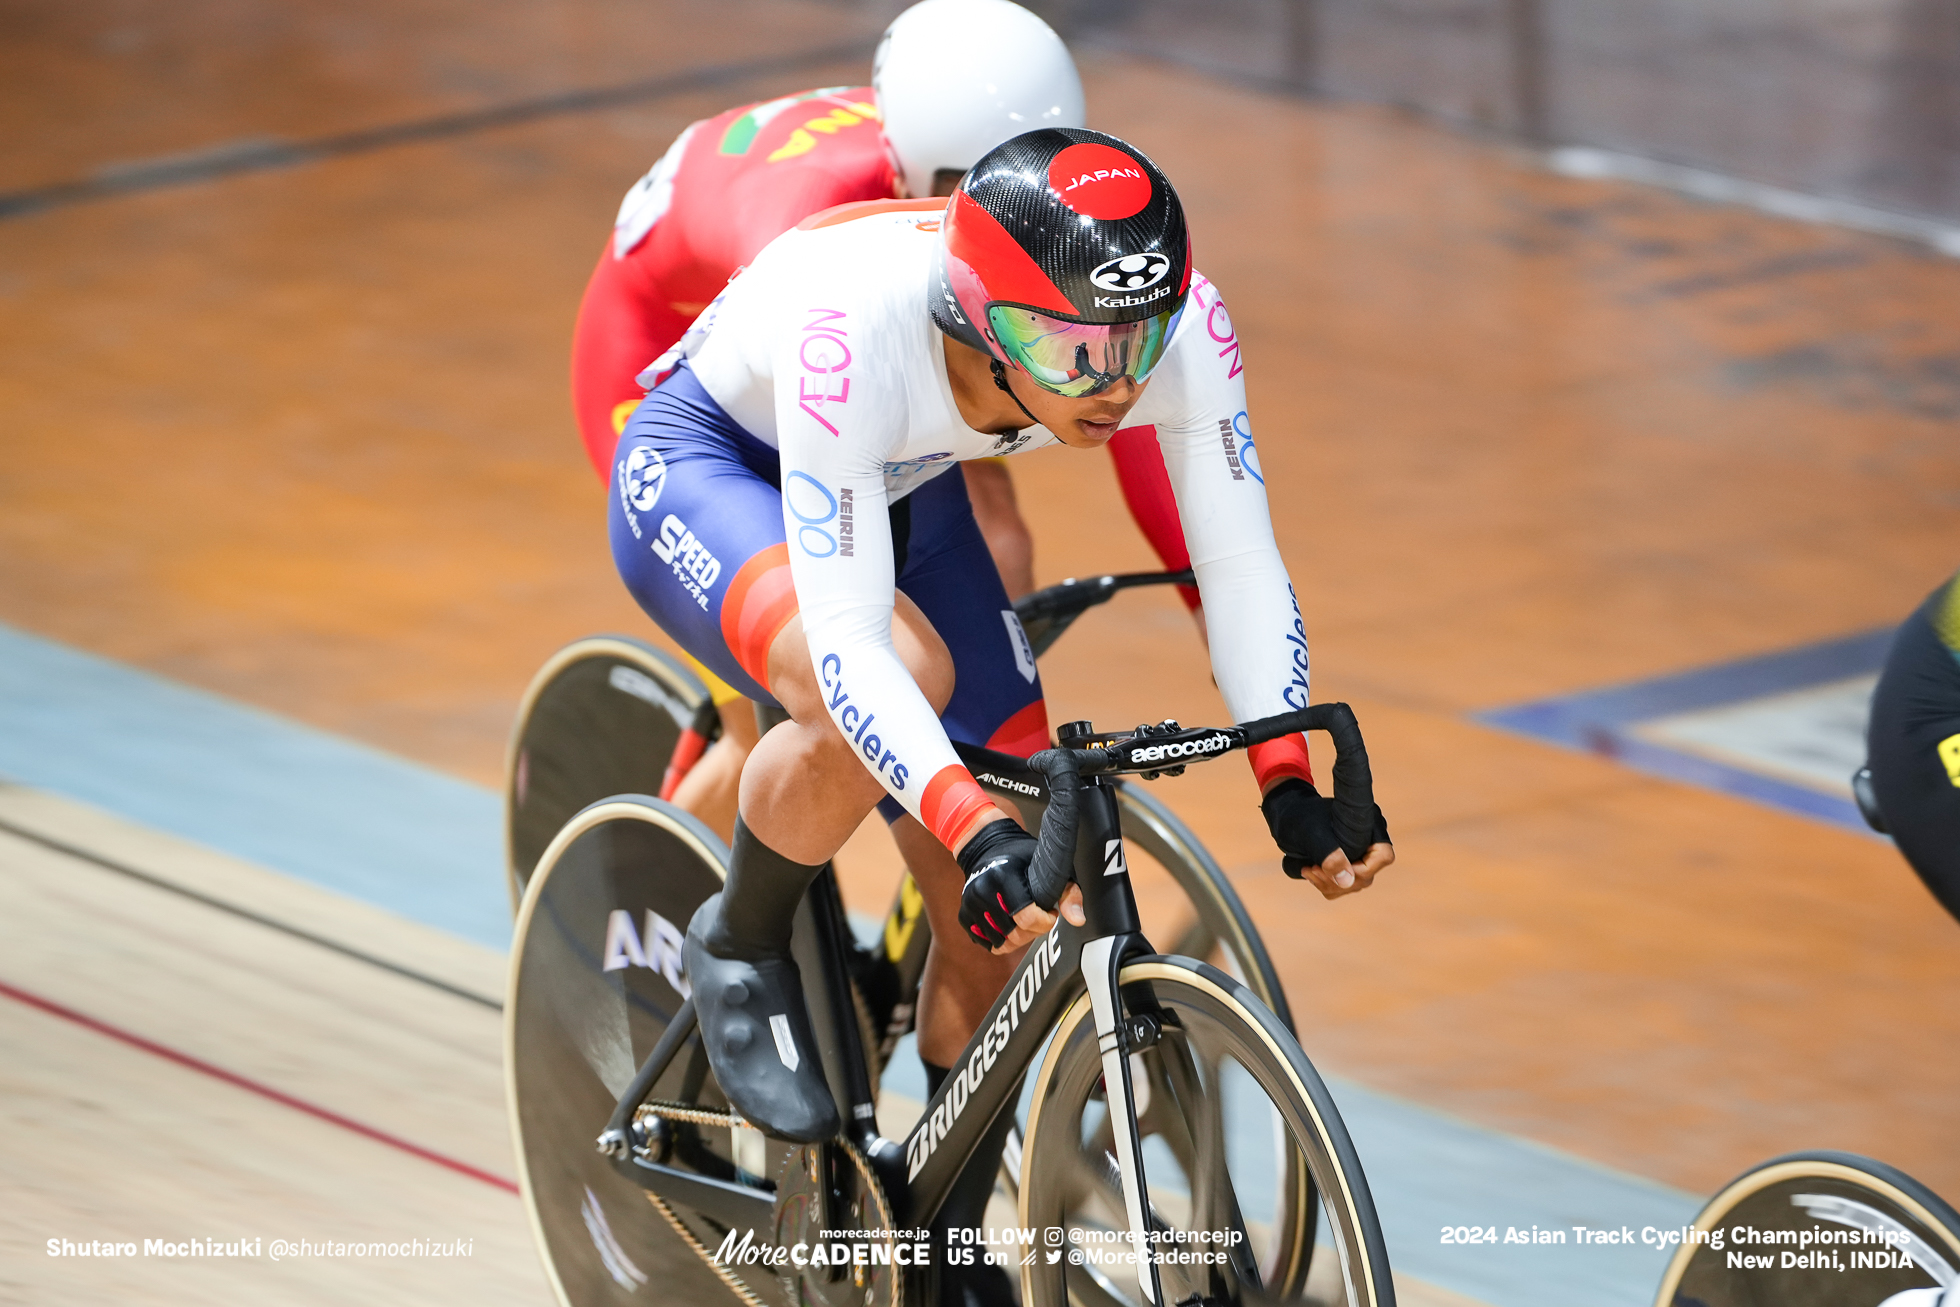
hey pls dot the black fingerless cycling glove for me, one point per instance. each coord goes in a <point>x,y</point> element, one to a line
<point>1302,824</point>
<point>996,862</point>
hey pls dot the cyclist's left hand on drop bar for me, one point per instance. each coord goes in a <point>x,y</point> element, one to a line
<point>997,910</point>
<point>1302,824</point>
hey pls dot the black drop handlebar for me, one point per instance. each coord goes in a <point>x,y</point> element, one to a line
<point>1045,614</point>
<point>1154,749</point>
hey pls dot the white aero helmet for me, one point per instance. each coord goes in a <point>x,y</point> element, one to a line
<point>955,78</point>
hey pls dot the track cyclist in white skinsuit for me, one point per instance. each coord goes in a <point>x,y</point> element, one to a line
<point>790,461</point>
<point>952,79</point>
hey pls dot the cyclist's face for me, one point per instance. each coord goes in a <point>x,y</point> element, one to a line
<point>1086,423</point>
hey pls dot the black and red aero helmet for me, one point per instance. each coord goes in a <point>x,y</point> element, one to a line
<point>1064,253</point>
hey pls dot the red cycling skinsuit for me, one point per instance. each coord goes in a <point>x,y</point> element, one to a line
<point>727,187</point>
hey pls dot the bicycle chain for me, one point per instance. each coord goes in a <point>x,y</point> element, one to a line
<point>695,1115</point>
<point>722,1273</point>
<point>698,1116</point>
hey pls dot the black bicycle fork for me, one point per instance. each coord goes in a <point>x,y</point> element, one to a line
<point>1114,935</point>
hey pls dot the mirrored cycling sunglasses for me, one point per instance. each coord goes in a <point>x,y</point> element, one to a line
<point>1079,359</point>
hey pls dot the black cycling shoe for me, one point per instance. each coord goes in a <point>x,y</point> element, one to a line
<point>757,1032</point>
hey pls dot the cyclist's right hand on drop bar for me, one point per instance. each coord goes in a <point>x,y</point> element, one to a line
<point>996,864</point>
<point>997,909</point>
<point>1302,824</point>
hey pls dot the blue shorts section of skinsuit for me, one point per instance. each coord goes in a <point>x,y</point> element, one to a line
<point>724,485</point>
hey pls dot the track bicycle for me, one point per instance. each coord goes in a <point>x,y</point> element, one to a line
<point>611,715</point>
<point>1818,1229</point>
<point>1170,1110</point>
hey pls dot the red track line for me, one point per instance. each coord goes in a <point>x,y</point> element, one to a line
<point>252,1086</point>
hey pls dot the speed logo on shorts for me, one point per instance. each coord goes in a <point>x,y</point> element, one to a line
<point>642,477</point>
<point>1131,271</point>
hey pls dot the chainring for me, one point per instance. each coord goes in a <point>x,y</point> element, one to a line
<point>828,1190</point>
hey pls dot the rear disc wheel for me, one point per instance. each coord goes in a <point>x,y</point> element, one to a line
<point>596,977</point>
<point>600,718</point>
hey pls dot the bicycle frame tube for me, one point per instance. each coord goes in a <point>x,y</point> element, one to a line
<point>819,945</point>
<point>988,1073</point>
<point>1056,970</point>
<point>901,949</point>
<point>907,935</point>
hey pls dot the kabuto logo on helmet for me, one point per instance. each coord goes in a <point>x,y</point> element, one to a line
<point>1131,271</point>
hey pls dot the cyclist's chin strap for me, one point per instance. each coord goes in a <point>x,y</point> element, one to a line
<point>1000,380</point>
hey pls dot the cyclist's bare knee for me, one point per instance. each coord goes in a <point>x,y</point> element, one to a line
<point>806,788</point>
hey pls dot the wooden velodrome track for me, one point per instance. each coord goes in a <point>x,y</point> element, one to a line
<point>178,1070</point>
<point>301,436</point>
